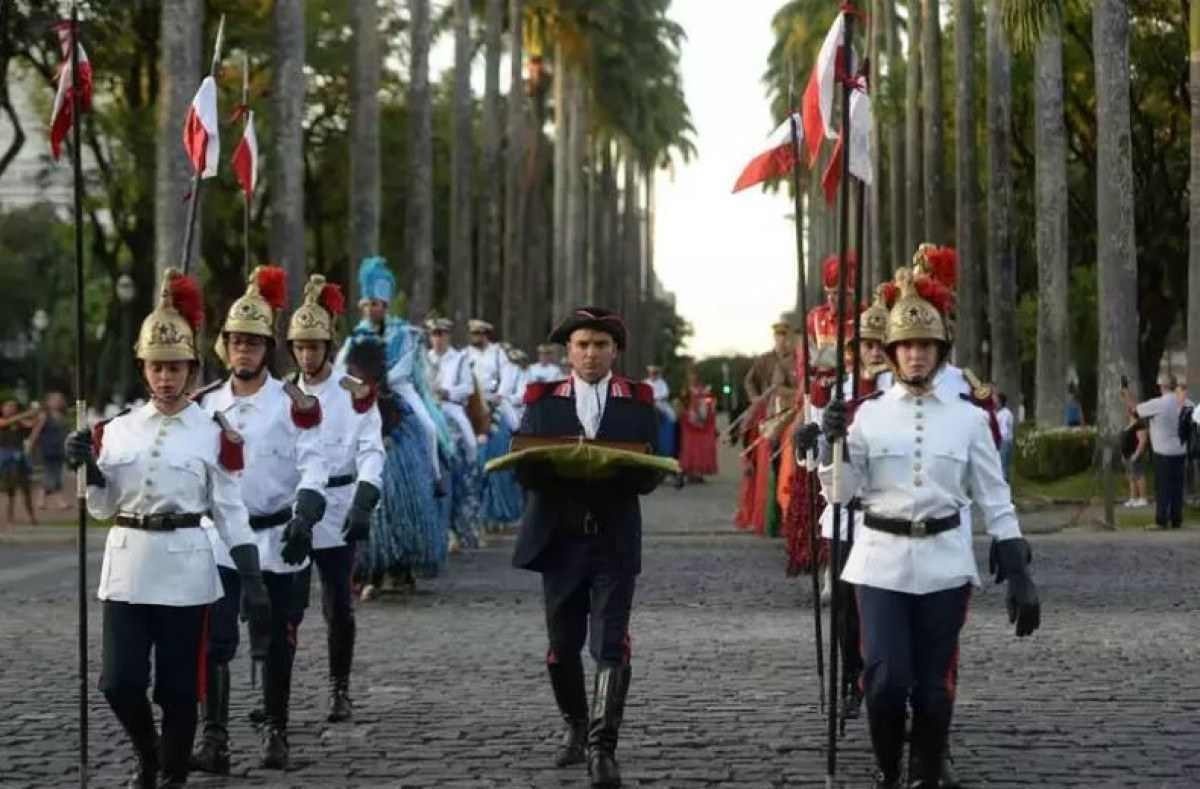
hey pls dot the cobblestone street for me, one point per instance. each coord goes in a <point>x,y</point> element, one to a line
<point>450,688</point>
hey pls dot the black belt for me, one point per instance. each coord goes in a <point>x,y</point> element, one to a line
<point>925,528</point>
<point>260,522</point>
<point>168,521</point>
<point>340,481</point>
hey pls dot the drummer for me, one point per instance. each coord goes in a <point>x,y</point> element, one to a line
<point>584,536</point>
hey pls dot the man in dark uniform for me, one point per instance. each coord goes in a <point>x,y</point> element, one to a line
<point>585,536</point>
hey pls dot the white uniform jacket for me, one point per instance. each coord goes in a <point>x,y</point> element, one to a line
<point>280,457</point>
<point>156,464</point>
<point>352,436</point>
<point>915,458</point>
<point>491,368</point>
<point>541,373</point>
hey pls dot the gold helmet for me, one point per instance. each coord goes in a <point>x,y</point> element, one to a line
<point>169,332</point>
<point>255,311</point>
<point>920,309</point>
<point>316,317</point>
<point>873,322</point>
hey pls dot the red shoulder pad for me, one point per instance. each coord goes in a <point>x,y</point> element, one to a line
<point>539,389</point>
<point>230,456</point>
<point>98,436</point>
<point>363,404</point>
<point>643,393</point>
<point>989,408</point>
<point>307,418</point>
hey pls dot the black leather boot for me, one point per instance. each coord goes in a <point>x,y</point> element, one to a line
<point>608,708</point>
<point>887,741</point>
<point>566,679</point>
<point>212,754</point>
<point>277,688</point>
<point>340,707</point>
<point>341,657</point>
<point>136,717</point>
<point>178,731</point>
<point>275,752</point>
<point>927,750</point>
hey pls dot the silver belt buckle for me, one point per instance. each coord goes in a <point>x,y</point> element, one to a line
<point>590,526</point>
<point>919,529</point>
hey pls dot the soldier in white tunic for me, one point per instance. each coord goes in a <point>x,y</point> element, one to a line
<point>916,457</point>
<point>452,382</point>
<point>546,368</point>
<point>352,433</point>
<point>153,471</point>
<point>283,486</point>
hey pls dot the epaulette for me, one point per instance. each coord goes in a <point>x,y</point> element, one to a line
<point>306,409</point>
<point>979,390</point>
<point>643,393</point>
<point>539,389</point>
<point>230,456</point>
<point>198,396</point>
<point>362,394</point>
<point>625,388</point>
<point>987,408</point>
<point>98,431</point>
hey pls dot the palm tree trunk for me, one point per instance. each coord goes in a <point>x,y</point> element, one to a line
<point>1050,139</point>
<point>1193,316</point>
<point>179,73</point>
<point>934,138</point>
<point>913,155</point>
<point>287,165</point>
<point>364,136</point>
<point>874,229</point>
<point>462,268</point>
<point>897,216</point>
<point>612,261</point>
<point>418,220</point>
<point>971,302</point>
<point>488,291</point>
<point>1002,270</point>
<point>576,176</point>
<point>1116,252</point>
<point>562,132</point>
<point>513,275</point>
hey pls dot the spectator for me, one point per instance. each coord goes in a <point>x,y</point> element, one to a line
<point>51,443</point>
<point>1074,411</point>
<point>16,429</point>
<point>1135,446</point>
<point>1169,452</point>
<point>1004,420</point>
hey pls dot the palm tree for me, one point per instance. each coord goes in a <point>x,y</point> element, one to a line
<point>491,206</point>
<point>914,153</point>
<point>897,213</point>
<point>934,137</point>
<point>418,220</point>
<point>179,75</point>
<point>461,176</point>
<point>970,279</point>
<point>513,274</point>
<point>287,164</point>
<point>364,135</point>
<point>1116,252</point>
<point>1193,316</point>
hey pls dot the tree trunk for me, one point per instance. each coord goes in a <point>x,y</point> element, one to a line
<point>612,262</point>
<point>488,290</point>
<point>1193,313</point>
<point>364,137</point>
<point>873,265</point>
<point>914,154</point>
<point>562,133</point>
<point>287,164</point>
<point>897,194</point>
<point>934,118</point>
<point>971,301</point>
<point>1050,140</point>
<point>179,74</point>
<point>462,268</point>
<point>1002,269</point>
<point>631,265</point>
<point>576,176</point>
<point>513,274</point>
<point>1116,252</point>
<point>418,219</point>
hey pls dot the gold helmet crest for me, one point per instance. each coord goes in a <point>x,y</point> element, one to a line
<point>316,317</point>
<point>255,311</point>
<point>168,334</point>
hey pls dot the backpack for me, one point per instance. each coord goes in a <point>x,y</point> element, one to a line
<point>1185,426</point>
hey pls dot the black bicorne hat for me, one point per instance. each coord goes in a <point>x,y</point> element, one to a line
<point>594,318</point>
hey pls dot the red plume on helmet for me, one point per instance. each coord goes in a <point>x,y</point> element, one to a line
<point>187,299</point>
<point>890,293</point>
<point>332,299</point>
<point>272,286</point>
<point>936,293</point>
<point>942,264</point>
<point>829,270</point>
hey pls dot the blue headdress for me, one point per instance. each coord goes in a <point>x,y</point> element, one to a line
<point>375,279</point>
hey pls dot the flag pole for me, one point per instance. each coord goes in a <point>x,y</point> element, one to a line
<point>839,391</point>
<point>194,197</point>
<point>810,460</point>
<point>80,401</point>
<point>247,195</point>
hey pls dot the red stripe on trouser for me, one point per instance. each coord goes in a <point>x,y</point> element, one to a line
<point>201,658</point>
<point>551,657</point>
<point>627,648</point>
<point>951,678</point>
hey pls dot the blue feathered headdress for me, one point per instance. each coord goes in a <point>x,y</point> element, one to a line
<point>375,279</point>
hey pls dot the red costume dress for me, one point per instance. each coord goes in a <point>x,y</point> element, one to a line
<point>698,433</point>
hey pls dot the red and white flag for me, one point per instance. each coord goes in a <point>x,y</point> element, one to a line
<point>817,105</point>
<point>777,156</point>
<point>860,147</point>
<point>62,115</point>
<point>200,137</point>
<point>245,158</point>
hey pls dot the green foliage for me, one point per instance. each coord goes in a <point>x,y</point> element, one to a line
<point>1047,455</point>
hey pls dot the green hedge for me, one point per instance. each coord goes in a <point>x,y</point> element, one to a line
<point>1047,455</point>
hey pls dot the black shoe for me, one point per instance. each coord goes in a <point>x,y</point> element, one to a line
<point>883,782</point>
<point>852,703</point>
<point>570,694</point>
<point>145,774</point>
<point>136,717</point>
<point>573,747</point>
<point>212,754</point>
<point>340,707</point>
<point>608,709</point>
<point>949,779</point>
<point>257,716</point>
<point>275,752</point>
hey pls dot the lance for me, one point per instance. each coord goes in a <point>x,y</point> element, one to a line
<point>248,195</point>
<point>80,400</point>
<point>839,390</point>
<point>194,203</point>
<point>809,464</point>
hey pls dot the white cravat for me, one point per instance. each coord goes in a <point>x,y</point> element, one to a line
<point>589,403</point>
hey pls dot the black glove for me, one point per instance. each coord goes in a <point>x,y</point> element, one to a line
<point>297,535</point>
<point>833,421</point>
<point>805,438</point>
<point>358,521</point>
<point>1009,559</point>
<point>80,452</point>
<point>255,603</point>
